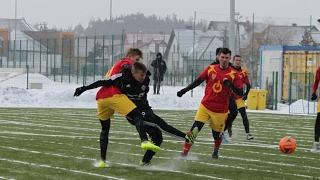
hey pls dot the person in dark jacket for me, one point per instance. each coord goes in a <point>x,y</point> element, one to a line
<point>135,84</point>
<point>160,68</point>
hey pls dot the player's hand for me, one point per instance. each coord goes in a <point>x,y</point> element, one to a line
<point>181,92</point>
<point>227,82</point>
<point>245,97</point>
<point>79,91</point>
<point>314,96</point>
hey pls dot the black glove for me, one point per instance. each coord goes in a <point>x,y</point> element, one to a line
<point>181,92</point>
<point>245,97</point>
<point>314,96</point>
<point>79,91</point>
<point>227,82</point>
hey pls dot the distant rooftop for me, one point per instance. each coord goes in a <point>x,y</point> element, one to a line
<point>22,25</point>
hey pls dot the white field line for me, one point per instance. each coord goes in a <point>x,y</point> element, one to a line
<point>160,168</point>
<point>163,169</point>
<point>6,178</point>
<point>227,166</point>
<point>155,168</point>
<point>59,168</point>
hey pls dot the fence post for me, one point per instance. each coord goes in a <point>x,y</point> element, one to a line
<point>276,105</point>
<point>54,58</point>
<point>84,75</point>
<point>47,61</point>
<point>70,57</point>
<point>192,71</point>
<point>272,90</point>
<point>40,56</point>
<point>20,55</point>
<point>27,77</point>
<point>62,47</point>
<point>78,61</point>
<point>94,57</point>
<point>102,56</point>
<point>309,86</point>
<point>290,88</point>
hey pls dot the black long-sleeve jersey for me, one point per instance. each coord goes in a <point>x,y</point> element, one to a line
<point>136,91</point>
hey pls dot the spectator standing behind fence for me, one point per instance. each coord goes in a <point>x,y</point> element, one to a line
<point>160,68</point>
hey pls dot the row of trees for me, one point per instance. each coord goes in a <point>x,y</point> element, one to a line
<point>138,22</point>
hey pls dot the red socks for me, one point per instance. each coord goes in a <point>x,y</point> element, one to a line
<point>217,143</point>
<point>186,148</point>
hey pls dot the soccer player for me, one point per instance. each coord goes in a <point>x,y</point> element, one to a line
<point>135,84</point>
<point>240,100</point>
<point>233,111</point>
<point>110,99</point>
<point>221,81</point>
<point>316,145</point>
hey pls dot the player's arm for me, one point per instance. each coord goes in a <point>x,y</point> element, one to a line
<point>245,95</point>
<point>236,86</point>
<point>315,84</point>
<point>113,80</point>
<point>248,85</point>
<point>194,84</point>
<point>202,77</point>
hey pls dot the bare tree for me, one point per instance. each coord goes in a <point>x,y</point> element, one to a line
<point>224,37</point>
<point>279,35</point>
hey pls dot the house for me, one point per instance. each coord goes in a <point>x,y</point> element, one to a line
<point>44,51</point>
<point>191,51</point>
<point>287,35</point>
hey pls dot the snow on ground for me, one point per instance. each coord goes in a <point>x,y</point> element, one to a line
<point>13,93</point>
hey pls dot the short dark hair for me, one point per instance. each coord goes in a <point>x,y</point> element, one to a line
<point>137,66</point>
<point>225,51</point>
<point>237,55</point>
<point>218,50</point>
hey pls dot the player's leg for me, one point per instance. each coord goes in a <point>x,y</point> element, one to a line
<point>217,123</point>
<point>316,145</point>
<point>245,122</point>
<point>233,112</point>
<point>104,114</point>
<point>154,120</point>
<point>104,139</point>
<point>156,137</point>
<point>124,106</point>
<point>195,129</point>
<point>135,117</point>
<point>242,109</point>
<point>201,118</point>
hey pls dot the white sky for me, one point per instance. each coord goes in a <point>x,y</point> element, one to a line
<point>64,13</point>
<point>13,93</point>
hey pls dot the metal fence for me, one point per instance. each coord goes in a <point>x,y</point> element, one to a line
<point>85,59</point>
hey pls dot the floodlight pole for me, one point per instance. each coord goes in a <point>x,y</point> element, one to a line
<point>232,27</point>
<point>15,34</point>
<point>110,57</point>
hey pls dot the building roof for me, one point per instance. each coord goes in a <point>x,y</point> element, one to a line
<point>25,42</point>
<point>315,37</point>
<point>21,25</point>
<point>131,38</point>
<point>288,35</point>
<point>205,44</point>
<point>290,48</point>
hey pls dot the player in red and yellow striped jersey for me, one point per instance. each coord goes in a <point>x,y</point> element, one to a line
<point>221,81</point>
<point>240,100</point>
<point>316,146</point>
